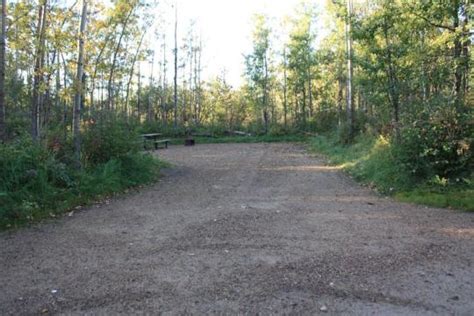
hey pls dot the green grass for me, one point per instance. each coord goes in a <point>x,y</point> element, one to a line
<point>461,199</point>
<point>370,160</point>
<point>35,185</point>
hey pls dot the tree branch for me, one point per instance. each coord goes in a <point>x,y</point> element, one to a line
<point>446,27</point>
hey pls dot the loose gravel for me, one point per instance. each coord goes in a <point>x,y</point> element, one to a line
<point>243,229</point>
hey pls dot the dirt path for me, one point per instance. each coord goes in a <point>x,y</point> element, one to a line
<point>243,229</point>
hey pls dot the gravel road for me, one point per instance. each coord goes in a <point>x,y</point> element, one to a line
<point>247,229</point>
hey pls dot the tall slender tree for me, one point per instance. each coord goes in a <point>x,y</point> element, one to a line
<point>79,87</point>
<point>132,71</point>
<point>3,45</point>
<point>111,96</point>
<point>151,93</point>
<point>285,88</point>
<point>257,65</point>
<point>37,76</point>
<point>175,96</point>
<point>350,71</point>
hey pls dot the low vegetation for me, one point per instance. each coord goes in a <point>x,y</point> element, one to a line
<point>382,164</point>
<point>42,181</point>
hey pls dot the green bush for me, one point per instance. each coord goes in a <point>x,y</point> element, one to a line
<point>30,179</point>
<point>379,167</point>
<point>325,121</point>
<point>167,130</point>
<point>438,144</point>
<point>36,181</point>
<point>105,141</point>
<point>376,162</point>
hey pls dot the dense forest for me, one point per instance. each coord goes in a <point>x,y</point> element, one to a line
<point>74,94</point>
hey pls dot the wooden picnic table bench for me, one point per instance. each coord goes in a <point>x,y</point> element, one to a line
<point>150,137</point>
<point>163,142</point>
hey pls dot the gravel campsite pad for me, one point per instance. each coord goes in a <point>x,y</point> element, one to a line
<point>243,228</point>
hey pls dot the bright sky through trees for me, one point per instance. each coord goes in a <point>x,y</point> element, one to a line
<point>226,28</point>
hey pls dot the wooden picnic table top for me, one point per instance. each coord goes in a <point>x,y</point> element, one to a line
<point>151,135</point>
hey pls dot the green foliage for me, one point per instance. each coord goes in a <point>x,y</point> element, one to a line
<point>107,140</point>
<point>324,121</point>
<point>376,162</point>
<point>36,183</point>
<point>368,159</point>
<point>345,135</point>
<point>438,144</point>
<point>128,170</point>
<point>380,168</point>
<point>27,177</point>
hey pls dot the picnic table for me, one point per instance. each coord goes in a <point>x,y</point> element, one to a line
<point>153,137</point>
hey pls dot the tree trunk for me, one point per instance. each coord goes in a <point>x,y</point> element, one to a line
<point>350,71</point>
<point>265,93</point>
<point>96,65</point>
<point>37,76</point>
<point>65,104</point>
<point>132,69</point>
<point>47,102</point>
<point>197,85</point>
<point>303,106</point>
<point>458,47</point>
<point>392,83</point>
<point>164,88</point>
<point>3,46</point>
<point>310,93</point>
<point>285,92</point>
<point>190,83</point>
<point>57,98</point>
<point>149,112</point>
<point>196,91</point>
<point>340,97</point>
<point>110,103</point>
<point>176,67</point>
<point>79,88</point>
<point>465,12</point>
<point>139,93</point>
<point>183,94</point>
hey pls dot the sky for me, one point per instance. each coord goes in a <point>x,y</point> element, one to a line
<point>226,29</point>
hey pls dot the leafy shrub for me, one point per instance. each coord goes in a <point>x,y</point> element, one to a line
<point>107,140</point>
<point>169,130</point>
<point>278,130</point>
<point>378,166</point>
<point>438,144</point>
<point>325,121</point>
<point>137,168</point>
<point>375,161</point>
<point>35,183</point>
<point>30,179</point>
<point>344,135</point>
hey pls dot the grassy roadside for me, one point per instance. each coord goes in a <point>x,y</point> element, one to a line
<point>35,186</point>
<point>370,160</point>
